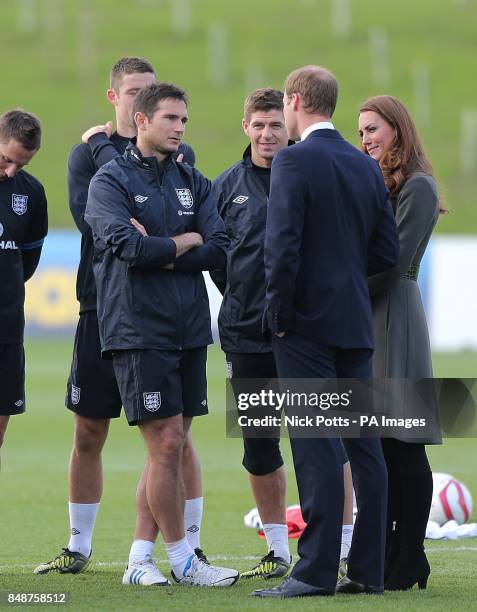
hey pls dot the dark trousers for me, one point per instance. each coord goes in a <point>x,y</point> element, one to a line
<point>319,472</point>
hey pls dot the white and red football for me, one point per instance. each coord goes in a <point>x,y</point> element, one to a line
<point>451,500</point>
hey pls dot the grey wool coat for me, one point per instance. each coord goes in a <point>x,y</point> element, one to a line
<point>402,348</point>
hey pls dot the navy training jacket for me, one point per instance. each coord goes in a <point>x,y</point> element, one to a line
<point>141,305</point>
<point>83,163</point>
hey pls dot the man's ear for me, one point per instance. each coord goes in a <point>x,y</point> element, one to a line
<point>296,101</point>
<point>112,96</point>
<point>245,126</point>
<point>140,120</point>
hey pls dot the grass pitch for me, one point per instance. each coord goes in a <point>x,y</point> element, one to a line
<point>34,518</point>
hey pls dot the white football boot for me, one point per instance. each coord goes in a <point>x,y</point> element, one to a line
<point>145,573</point>
<point>198,573</point>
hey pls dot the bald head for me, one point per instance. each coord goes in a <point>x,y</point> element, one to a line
<point>317,87</point>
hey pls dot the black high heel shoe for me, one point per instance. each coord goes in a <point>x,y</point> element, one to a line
<point>410,568</point>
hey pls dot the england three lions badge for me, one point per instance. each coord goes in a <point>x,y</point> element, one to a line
<point>185,197</point>
<point>152,401</point>
<point>19,203</point>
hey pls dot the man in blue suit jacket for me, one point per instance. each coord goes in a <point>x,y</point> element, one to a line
<point>329,226</point>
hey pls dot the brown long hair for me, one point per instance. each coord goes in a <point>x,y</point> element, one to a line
<point>406,155</point>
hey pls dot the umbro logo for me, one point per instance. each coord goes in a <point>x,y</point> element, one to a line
<point>140,199</point>
<point>204,402</point>
<point>75,531</point>
<point>75,395</point>
<point>193,529</point>
<point>240,199</point>
<point>19,403</point>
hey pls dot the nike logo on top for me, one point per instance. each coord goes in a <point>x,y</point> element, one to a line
<point>140,199</point>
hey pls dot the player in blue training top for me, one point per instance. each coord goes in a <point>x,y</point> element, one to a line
<point>23,227</point>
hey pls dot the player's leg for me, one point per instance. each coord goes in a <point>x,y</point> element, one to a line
<point>164,440</point>
<point>93,397</point>
<point>85,490</point>
<point>193,376</point>
<point>194,500</point>
<point>146,529</point>
<point>85,480</point>
<point>12,383</point>
<point>263,461</point>
<point>141,568</point>
<point>269,491</point>
<point>3,428</point>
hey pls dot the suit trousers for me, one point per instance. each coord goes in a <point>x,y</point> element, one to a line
<point>318,466</point>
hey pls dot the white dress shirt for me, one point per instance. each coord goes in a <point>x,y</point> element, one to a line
<point>321,125</point>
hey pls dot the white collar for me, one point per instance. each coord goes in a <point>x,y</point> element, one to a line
<point>321,125</point>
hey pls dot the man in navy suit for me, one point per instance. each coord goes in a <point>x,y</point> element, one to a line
<point>329,226</point>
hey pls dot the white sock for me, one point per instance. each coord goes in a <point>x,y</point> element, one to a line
<point>193,510</point>
<point>140,549</point>
<point>277,539</point>
<point>82,519</point>
<point>346,539</point>
<point>180,555</point>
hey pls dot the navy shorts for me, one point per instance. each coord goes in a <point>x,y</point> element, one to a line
<point>12,379</point>
<point>155,384</point>
<point>92,390</point>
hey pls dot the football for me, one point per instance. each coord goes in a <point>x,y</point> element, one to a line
<point>451,500</point>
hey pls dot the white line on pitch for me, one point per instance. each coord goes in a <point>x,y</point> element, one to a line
<point>123,562</point>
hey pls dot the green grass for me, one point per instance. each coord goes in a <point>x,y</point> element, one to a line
<point>59,70</point>
<point>34,521</point>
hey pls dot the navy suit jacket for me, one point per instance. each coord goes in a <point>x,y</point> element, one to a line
<point>329,226</point>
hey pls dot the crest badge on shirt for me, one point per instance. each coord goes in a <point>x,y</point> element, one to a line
<point>185,197</point>
<point>19,203</point>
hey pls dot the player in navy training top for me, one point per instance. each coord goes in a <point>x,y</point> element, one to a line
<point>92,391</point>
<point>23,227</point>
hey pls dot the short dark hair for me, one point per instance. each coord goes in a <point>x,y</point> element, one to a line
<point>148,98</point>
<point>21,126</point>
<point>317,87</point>
<point>128,65</point>
<point>263,99</point>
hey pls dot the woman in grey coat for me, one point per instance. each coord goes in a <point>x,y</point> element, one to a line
<point>402,349</point>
